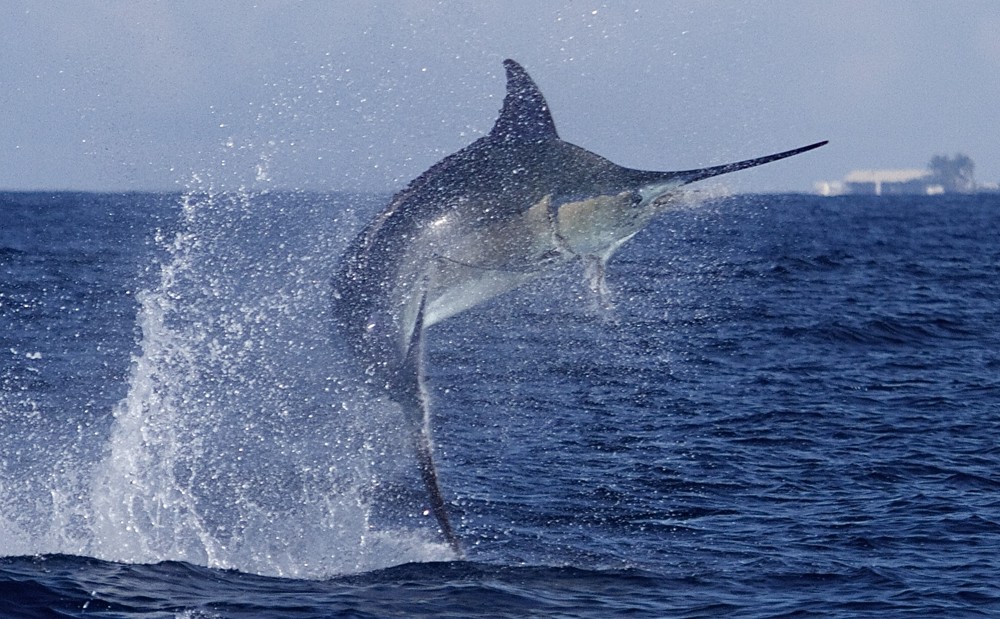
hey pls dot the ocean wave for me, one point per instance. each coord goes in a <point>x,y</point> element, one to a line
<point>74,586</point>
<point>884,330</point>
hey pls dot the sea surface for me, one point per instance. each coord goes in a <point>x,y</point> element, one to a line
<point>791,410</point>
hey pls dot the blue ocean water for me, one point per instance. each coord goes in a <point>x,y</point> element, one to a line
<point>791,411</point>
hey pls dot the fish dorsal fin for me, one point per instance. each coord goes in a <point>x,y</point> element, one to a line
<point>525,115</point>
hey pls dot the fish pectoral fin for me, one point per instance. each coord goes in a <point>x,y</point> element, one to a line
<point>409,391</point>
<point>595,271</point>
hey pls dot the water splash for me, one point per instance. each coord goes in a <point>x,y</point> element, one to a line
<point>238,445</point>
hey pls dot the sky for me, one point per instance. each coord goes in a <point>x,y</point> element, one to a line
<point>131,95</point>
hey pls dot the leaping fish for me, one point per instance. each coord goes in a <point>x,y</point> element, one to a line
<point>506,209</point>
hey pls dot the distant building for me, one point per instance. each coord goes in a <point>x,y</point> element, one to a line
<point>882,182</point>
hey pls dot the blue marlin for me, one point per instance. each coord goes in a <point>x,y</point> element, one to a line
<point>510,207</point>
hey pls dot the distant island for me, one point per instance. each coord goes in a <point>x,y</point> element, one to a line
<point>942,175</point>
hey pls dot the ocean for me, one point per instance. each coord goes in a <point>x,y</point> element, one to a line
<point>792,410</point>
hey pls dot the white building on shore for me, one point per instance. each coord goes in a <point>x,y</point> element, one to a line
<point>881,182</point>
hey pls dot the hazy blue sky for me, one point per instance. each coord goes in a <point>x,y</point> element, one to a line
<point>126,94</point>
